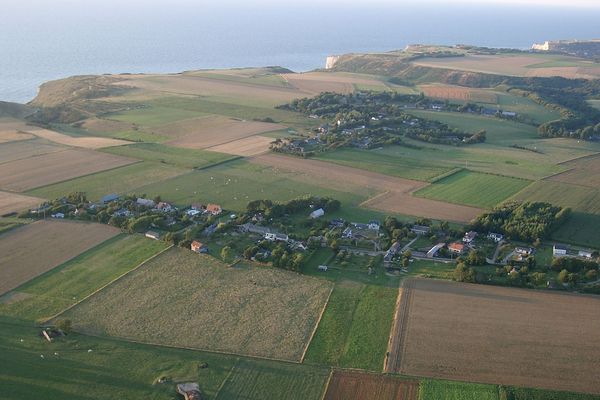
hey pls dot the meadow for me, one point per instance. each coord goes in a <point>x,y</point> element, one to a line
<point>188,300</point>
<point>63,286</point>
<point>578,198</point>
<point>448,390</point>
<point>473,188</point>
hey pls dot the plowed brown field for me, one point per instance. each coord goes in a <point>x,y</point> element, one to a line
<point>347,385</point>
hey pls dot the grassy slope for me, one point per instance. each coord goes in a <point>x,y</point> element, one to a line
<point>120,180</point>
<point>474,189</point>
<point>61,287</point>
<point>579,198</point>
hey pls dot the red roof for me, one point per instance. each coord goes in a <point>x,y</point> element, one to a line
<point>456,246</point>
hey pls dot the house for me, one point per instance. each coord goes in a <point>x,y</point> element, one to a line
<point>198,207</point>
<point>373,225</point>
<point>276,237</point>
<point>198,247</point>
<point>317,213</point>
<point>214,209</point>
<point>261,230</point>
<point>337,223</point>
<point>392,251</point>
<point>323,268</point>
<point>496,237</point>
<point>559,250</point>
<point>524,251</point>
<point>192,212</point>
<point>153,235</point>
<point>509,114</point>
<point>164,206</point>
<point>258,217</point>
<point>58,215</point>
<point>145,202</point>
<point>585,254</point>
<point>109,197</point>
<point>456,248</point>
<point>433,251</point>
<point>420,229</point>
<point>469,237</point>
<point>123,212</point>
<point>347,233</point>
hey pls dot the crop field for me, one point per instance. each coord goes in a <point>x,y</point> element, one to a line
<point>52,292</point>
<point>538,65</point>
<point>119,180</point>
<point>313,83</point>
<point>36,248</point>
<point>473,188</point>
<point>256,76</point>
<point>395,194</point>
<point>12,151</point>
<point>247,147</point>
<point>13,202</point>
<point>185,158</point>
<point>155,116</point>
<point>579,198</point>
<point>584,171</point>
<point>484,334</point>
<point>448,390</point>
<point>251,380</point>
<point>90,142</point>
<point>10,131</point>
<point>187,300</point>
<point>460,93</point>
<point>25,174</point>
<point>359,385</point>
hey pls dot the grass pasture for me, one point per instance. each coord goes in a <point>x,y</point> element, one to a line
<point>58,289</point>
<point>33,249</point>
<point>119,180</point>
<point>448,390</point>
<point>187,300</point>
<point>581,229</point>
<point>359,385</point>
<point>473,188</point>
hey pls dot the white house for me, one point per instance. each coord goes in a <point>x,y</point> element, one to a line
<point>58,215</point>
<point>317,213</point>
<point>559,250</point>
<point>276,237</point>
<point>585,253</point>
<point>374,225</point>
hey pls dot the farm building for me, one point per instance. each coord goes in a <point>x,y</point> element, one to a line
<point>261,230</point>
<point>392,251</point>
<point>58,215</point>
<point>323,268</point>
<point>198,247</point>
<point>469,237</point>
<point>145,202</point>
<point>420,229</point>
<point>559,250</point>
<point>109,197</point>
<point>214,209</point>
<point>456,248</point>
<point>276,237</point>
<point>189,391</point>
<point>317,213</point>
<point>433,251</point>
<point>496,237</point>
<point>585,253</point>
<point>153,235</point>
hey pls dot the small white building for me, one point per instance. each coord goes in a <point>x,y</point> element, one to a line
<point>58,215</point>
<point>585,254</point>
<point>276,237</point>
<point>559,250</point>
<point>323,268</point>
<point>496,237</point>
<point>317,213</point>
<point>153,235</point>
<point>374,225</point>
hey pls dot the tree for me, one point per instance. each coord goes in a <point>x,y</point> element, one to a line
<point>226,253</point>
<point>538,278</point>
<point>562,276</point>
<point>462,273</point>
<point>250,251</point>
<point>475,257</point>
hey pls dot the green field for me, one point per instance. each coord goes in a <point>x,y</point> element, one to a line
<point>447,390</point>
<point>526,108</point>
<point>119,180</point>
<point>155,116</point>
<point>185,158</point>
<point>188,300</point>
<point>578,198</point>
<point>376,161</point>
<point>473,188</point>
<point>581,229</point>
<point>251,380</point>
<point>67,284</point>
<point>517,393</point>
<point>431,269</point>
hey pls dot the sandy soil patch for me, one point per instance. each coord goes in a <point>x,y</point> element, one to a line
<point>365,386</point>
<point>13,202</point>
<point>84,142</point>
<point>247,147</point>
<point>38,247</point>
<point>202,133</point>
<point>501,335</point>
<point>32,172</point>
<point>396,193</point>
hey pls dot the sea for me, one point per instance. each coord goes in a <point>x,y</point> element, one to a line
<point>42,40</point>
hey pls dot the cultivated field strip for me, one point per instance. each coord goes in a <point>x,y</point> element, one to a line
<point>13,202</point>
<point>90,142</point>
<point>397,341</point>
<point>345,385</point>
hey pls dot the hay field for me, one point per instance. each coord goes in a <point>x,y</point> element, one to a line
<point>12,151</point>
<point>497,335</point>
<point>211,131</point>
<point>359,385</point>
<point>13,202</point>
<point>46,169</point>
<point>184,299</point>
<point>395,193</point>
<point>33,249</point>
<point>577,197</point>
<point>460,93</point>
<point>90,142</point>
<point>584,171</point>
<point>10,131</point>
<point>516,65</point>
<point>247,147</point>
<point>313,83</point>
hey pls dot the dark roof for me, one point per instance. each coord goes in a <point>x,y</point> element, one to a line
<point>110,197</point>
<point>561,247</point>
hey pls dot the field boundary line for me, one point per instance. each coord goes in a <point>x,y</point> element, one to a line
<point>318,322</point>
<point>446,174</point>
<point>326,388</point>
<point>233,158</point>
<point>397,341</point>
<point>46,320</point>
<point>222,385</point>
<point>374,198</point>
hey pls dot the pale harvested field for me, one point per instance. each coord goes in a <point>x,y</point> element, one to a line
<point>36,248</point>
<point>584,171</point>
<point>461,93</point>
<point>346,385</point>
<point>189,300</point>
<point>508,65</point>
<point>202,133</point>
<point>500,335</point>
<point>199,86</point>
<point>317,82</point>
<point>13,202</point>
<point>32,172</point>
<point>10,131</point>
<point>12,151</point>
<point>396,193</point>
<point>84,142</point>
<point>247,147</point>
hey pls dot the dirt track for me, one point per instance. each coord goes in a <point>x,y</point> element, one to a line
<point>397,339</point>
<point>501,335</point>
<point>396,193</point>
